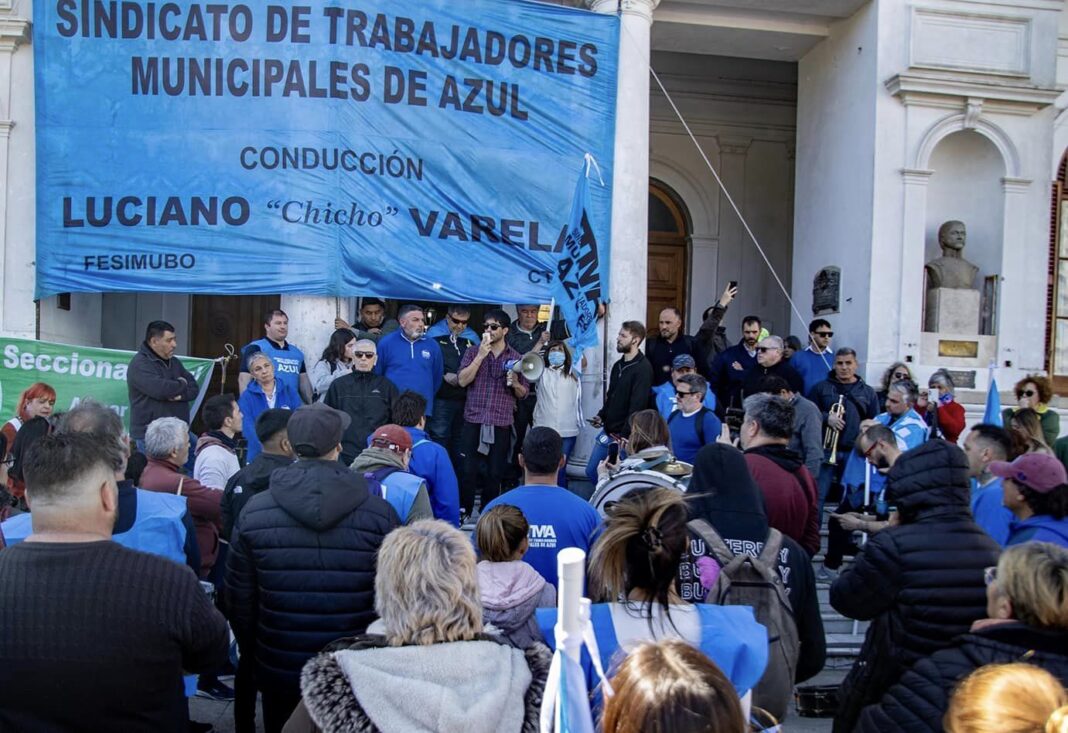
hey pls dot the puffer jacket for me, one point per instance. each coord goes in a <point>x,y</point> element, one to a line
<point>301,571</point>
<point>246,483</point>
<point>363,685</point>
<point>921,582</point>
<point>511,592</point>
<point>368,399</point>
<point>919,701</point>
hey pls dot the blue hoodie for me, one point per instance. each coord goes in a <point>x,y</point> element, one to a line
<point>1040,528</point>
<point>430,462</point>
<point>253,403</point>
<point>990,513</point>
<point>415,365</point>
<point>441,328</point>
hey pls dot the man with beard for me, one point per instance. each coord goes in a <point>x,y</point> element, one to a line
<point>373,323</point>
<point>492,391</point>
<point>731,367</point>
<point>670,344</point>
<point>411,360</point>
<point>628,392</point>
<point>788,488</point>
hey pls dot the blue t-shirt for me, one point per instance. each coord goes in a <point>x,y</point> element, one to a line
<point>558,520</point>
<point>990,513</point>
<point>415,365</point>
<point>684,439</point>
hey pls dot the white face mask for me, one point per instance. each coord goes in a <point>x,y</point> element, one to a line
<point>556,359</point>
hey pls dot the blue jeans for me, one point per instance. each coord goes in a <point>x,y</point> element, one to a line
<point>829,475</point>
<point>569,445</point>
<point>445,427</point>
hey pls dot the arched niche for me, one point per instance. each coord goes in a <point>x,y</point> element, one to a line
<point>966,185</point>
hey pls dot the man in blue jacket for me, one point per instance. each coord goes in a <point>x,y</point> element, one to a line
<point>985,444</point>
<point>1035,489</point>
<point>430,461</point>
<point>409,359</point>
<point>731,367</point>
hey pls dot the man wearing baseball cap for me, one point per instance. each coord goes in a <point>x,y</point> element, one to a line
<point>664,395</point>
<point>301,570</point>
<point>384,465</point>
<point>1035,490</point>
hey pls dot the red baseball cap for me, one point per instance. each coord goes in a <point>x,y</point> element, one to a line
<point>1037,471</point>
<point>392,437</point>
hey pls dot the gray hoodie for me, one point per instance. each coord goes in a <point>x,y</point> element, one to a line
<point>511,591</point>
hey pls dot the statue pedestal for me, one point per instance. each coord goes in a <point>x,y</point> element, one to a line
<point>952,311</point>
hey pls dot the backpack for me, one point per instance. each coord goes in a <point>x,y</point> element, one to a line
<point>755,581</point>
<point>375,479</point>
<point>699,426</point>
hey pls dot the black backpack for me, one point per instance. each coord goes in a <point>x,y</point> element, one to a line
<point>699,426</point>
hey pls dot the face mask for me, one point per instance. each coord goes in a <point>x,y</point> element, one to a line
<point>556,358</point>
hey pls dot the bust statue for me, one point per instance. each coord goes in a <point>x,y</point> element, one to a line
<point>951,270</point>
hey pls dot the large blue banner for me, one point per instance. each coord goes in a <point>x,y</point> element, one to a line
<point>420,149</point>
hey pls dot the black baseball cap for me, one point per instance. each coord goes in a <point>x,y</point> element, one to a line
<point>315,430</point>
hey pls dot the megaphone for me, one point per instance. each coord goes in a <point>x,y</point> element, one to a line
<point>530,366</point>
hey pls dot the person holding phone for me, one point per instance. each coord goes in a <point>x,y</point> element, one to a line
<point>712,337</point>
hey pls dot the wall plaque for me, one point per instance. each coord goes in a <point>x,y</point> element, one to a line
<point>963,378</point>
<point>958,349</point>
<point>826,291</point>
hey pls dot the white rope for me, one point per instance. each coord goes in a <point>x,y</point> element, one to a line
<point>730,199</point>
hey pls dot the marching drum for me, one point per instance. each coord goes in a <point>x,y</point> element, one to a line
<point>669,474</point>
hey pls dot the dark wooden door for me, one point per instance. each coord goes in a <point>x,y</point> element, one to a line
<point>668,256</point>
<point>218,320</point>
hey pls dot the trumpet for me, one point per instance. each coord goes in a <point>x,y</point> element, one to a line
<point>830,435</point>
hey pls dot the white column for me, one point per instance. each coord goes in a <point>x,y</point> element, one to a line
<point>1018,329</point>
<point>910,318</point>
<point>630,200</point>
<point>630,180</point>
<point>13,32</point>
<point>311,321</point>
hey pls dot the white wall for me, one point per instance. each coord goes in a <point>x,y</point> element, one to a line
<point>836,148</point>
<point>742,112</point>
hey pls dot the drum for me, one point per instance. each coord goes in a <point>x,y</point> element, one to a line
<point>674,475</point>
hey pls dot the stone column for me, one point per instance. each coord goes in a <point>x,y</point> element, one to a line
<point>913,251</point>
<point>630,200</point>
<point>311,321</point>
<point>16,272</point>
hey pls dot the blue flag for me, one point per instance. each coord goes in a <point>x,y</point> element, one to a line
<point>992,415</point>
<point>581,280</point>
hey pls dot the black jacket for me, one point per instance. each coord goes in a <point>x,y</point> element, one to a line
<point>152,384</point>
<point>368,399</point>
<point>860,404</point>
<point>919,701</point>
<point>452,351</point>
<point>723,493</point>
<point>783,370</point>
<point>628,392</point>
<point>711,339</point>
<point>661,355</point>
<point>246,483</point>
<point>921,583</point>
<point>301,571</point>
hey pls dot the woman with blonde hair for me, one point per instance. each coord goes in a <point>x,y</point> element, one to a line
<point>1034,392</point>
<point>510,589</point>
<point>1008,698</point>
<point>426,664</point>
<point>671,686</point>
<point>1027,606</point>
<point>633,569</point>
<point>1025,427</point>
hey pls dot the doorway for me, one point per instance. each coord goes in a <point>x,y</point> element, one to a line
<point>669,254</point>
<point>227,319</point>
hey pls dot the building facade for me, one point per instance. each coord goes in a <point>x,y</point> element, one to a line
<point>845,131</point>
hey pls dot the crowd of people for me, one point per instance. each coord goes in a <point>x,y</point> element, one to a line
<point>318,515</point>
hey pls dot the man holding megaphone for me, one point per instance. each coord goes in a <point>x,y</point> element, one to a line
<point>492,390</point>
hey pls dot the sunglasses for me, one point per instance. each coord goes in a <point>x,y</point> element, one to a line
<point>765,349</point>
<point>990,574</point>
<point>459,321</point>
<point>825,334</point>
<point>899,375</point>
<point>1027,393</point>
<point>685,394</point>
<point>493,326</point>
<point>364,354</point>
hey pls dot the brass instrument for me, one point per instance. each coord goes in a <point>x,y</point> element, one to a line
<point>830,435</point>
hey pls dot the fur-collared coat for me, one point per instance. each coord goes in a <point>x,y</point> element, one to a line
<point>478,686</point>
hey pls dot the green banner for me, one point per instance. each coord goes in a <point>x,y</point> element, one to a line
<point>77,372</point>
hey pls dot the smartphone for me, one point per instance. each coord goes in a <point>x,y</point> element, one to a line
<point>613,452</point>
<point>733,284</point>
